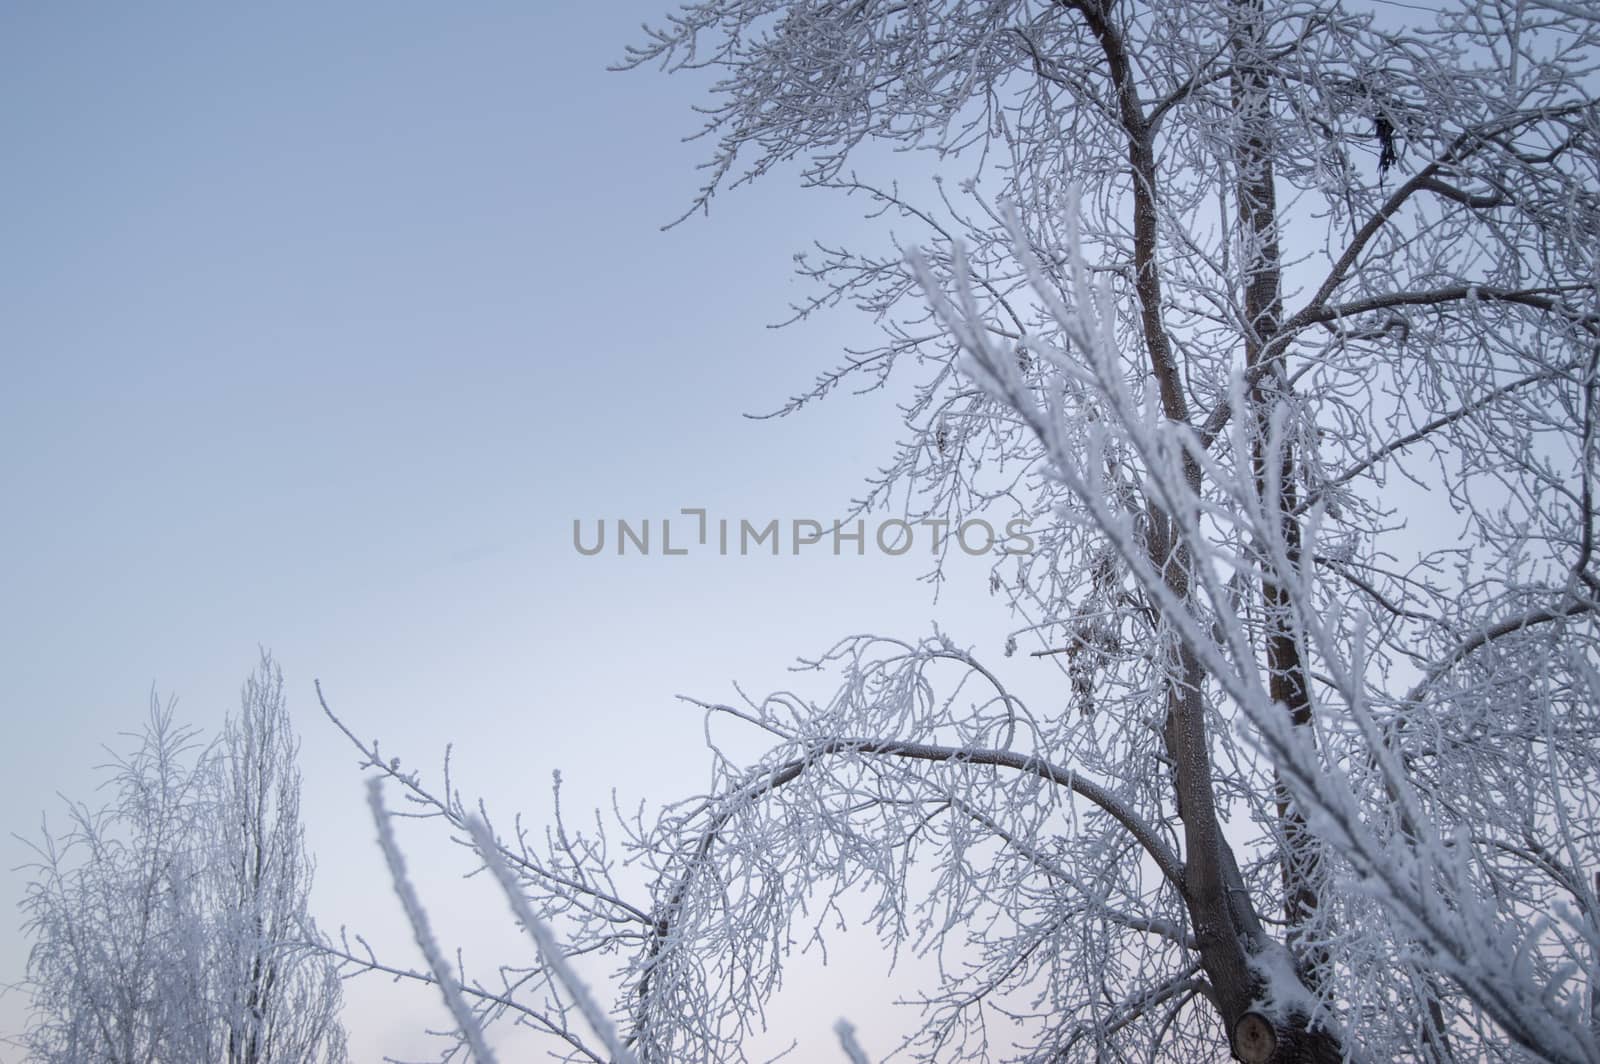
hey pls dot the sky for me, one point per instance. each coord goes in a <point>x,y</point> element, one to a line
<point>319,327</point>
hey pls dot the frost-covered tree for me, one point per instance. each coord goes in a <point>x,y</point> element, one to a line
<point>277,998</point>
<point>170,923</point>
<point>106,974</point>
<point>1280,322</point>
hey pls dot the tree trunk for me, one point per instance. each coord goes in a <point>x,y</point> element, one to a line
<point>1263,316</point>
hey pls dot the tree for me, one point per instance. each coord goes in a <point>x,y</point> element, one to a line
<point>171,923</point>
<point>1280,321</point>
<point>278,1000</point>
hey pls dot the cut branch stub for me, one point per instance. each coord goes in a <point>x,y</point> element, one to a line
<point>1253,1040</point>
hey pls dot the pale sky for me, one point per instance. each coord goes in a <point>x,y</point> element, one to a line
<point>319,326</point>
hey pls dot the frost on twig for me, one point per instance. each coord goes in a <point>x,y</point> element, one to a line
<point>847,1041</point>
<point>443,978</point>
<point>545,943</point>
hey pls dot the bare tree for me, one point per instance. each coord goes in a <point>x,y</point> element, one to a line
<point>105,972</point>
<point>278,998</point>
<point>1280,322</point>
<point>170,924</point>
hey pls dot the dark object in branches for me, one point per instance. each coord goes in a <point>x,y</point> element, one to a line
<point>1388,154</point>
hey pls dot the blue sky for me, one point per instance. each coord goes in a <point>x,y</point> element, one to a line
<point>319,326</point>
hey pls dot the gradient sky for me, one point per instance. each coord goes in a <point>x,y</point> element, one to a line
<point>319,326</point>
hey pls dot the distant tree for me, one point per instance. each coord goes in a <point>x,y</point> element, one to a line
<point>277,1001</point>
<point>1279,320</point>
<point>107,971</point>
<point>170,923</point>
